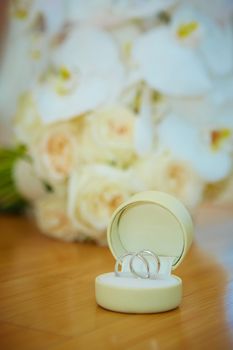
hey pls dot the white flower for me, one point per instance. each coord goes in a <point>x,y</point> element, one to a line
<point>144,128</point>
<point>94,193</point>
<point>27,122</point>
<point>55,151</point>
<point>85,74</point>
<point>182,58</point>
<point>206,149</point>
<point>215,107</point>
<point>16,78</point>
<point>219,9</point>
<point>222,94</point>
<point>125,37</point>
<point>25,13</point>
<point>168,67</point>
<point>26,180</point>
<point>53,220</point>
<point>212,39</point>
<point>36,22</point>
<point>107,13</point>
<point>164,172</point>
<point>109,136</point>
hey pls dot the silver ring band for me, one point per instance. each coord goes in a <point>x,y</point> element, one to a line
<point>120,261</point>
<point>132,270</point>
<point>155,256</point>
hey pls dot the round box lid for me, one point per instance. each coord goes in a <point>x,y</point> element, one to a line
<point>151,220</point>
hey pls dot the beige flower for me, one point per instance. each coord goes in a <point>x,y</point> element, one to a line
<point>26,180</point>
<point>94,194</point>
<point>109,136</point>
<point>55,151</point>
<point>53,220</point>
<point>164,173</point>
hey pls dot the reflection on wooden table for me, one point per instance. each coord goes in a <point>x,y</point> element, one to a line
<point>47,293</point>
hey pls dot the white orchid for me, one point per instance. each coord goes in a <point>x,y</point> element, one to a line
<point>31,26</point>
<point>207,149</point>
<point>181,59</point>
<point>36,23</point>
<point>207,109</point>
<point>107,13</point>
<point>86,73</point>
<point>222,94</point>
<point>218,9</point>
<point>125,37</point>
<point>144,127</point>
<point>25,14</point>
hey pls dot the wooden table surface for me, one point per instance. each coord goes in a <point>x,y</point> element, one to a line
<point>47,293</point>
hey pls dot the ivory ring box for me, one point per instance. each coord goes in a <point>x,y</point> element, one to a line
<point>154,221</point>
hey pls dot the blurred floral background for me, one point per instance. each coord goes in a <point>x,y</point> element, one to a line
<point>101,99</point>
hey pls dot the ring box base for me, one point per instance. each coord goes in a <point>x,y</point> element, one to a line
<point>132,295</point>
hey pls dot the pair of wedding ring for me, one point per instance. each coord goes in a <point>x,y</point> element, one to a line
<point>141,255</point>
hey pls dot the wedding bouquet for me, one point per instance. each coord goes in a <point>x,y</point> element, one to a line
<point>116,97</point>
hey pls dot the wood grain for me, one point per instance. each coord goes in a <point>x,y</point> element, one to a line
<point>47,293</point>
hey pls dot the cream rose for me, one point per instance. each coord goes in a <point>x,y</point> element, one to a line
<point>109,135</point>
<point>94,194</point>
<point>56,151</point>
<point>26,180</point>
<point>164,173</point>
<point>53,219</point>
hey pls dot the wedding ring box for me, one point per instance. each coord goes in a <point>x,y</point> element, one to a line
<point>153,221</point>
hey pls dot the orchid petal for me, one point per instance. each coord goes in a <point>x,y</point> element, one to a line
<point>213,39</point>
<point>87,50</point>
<point>88,69</point>
<point>53,107</point>
<point>107,13</point>
<point>144,127</point>
<point>217,49</point>
<point>222,92</point>
<point>183,140</point>
<point>168,67</point>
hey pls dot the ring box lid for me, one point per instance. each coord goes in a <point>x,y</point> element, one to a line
<point>151,220</point>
